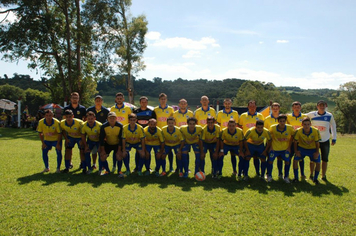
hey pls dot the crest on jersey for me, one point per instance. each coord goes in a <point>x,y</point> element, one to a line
<point>147,113</point>
<point>102,114</point>
<point>123,111</point>
<point>208,114</point>
<point>325,118</point>
<point>75,128</point>
<point>95,131</point>
<point>167,112</point>
<point>231,117</point>
<point>78,112</point>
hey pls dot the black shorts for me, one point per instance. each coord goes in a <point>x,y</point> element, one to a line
<point>109,148</point>
<point>325,149</point>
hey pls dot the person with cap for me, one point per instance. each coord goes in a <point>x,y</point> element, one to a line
<point>101,112</point>
<point>324,121</point>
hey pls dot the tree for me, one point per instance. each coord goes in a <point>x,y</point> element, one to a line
<point>308,107</point>
<point>346,104</point>
<point>12,93</point>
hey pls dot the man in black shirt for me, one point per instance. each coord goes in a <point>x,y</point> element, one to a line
<point>101,112</point>
<point>78,110</point>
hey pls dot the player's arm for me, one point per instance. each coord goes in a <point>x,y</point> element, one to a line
<point>40,134</point>
<point>333,130</point>
<point>268,146</point>
<point>201,147</point>
<point>297,152</point>
<point>143,144</point>
<point>221,149</point>
<point>84,141</point>
<point>316,153</point>
<point>241,152</point>
<point>59,142</point>
<point>65,135</point>
<point>102,141</point>
<point>290,142</point>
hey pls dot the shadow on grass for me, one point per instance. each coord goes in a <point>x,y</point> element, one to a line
<point>229,183</point>
<point>18,133</point>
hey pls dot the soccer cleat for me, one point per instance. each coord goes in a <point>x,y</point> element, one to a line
<point>127,173</point>
<point>58,171</point>
<point>316,182</point>
<point>45,170</point>
<point>219,176</point>
<point>286,179</point>
<point>65,171</point>
<point>324,179</point>
<point>104,172</point>
<point>93,167</point>
<point>295,181</point>
<point>163,174</point>
<point>185,175</point>
<point>147,173</point>
<point>113,169</point>
<point>139,173</point>
<point>269,179</point>
<point>71,166</point>
<point>181,174</point>
<point>171,170</point>
<point>304,177</point>
<point>280,176</point>
<point>311,177</point>
<point>121,175</point>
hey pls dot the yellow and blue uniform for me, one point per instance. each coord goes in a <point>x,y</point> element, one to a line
<point>210,140</point>
<point>306,142</point>
<point>153,140</point>
<point>181,118</point>
<point>93,135</point>
<point>73,132</point>
<point>122,113</point>
<point>201,115</point>
<point>224,117</point>
<point>270,120</point>
<point>133,137</point>
<point>295,121</point>
<point>248,120</point>
<point>162,114</point>
<point>51,133</point>
<point>172,141</point>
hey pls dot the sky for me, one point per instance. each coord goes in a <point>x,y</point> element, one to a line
<point>308,44</point>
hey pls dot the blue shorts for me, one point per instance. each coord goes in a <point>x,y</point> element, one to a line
<point>307,152</point>
<point>256,150</point>
<point>93,146</point>
<point>156,148</point>
<point>234,149</point>
<point>72,142</point>
<point>283,154</point>
<point>168,149</point>
<point>51,144</point>
<point>209,146</point>
<point>136,146</point>
<point>187,147</point>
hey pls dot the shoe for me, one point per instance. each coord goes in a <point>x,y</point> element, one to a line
<point>127,173</point>
<point>286,179</point>
<point>280,176</point>
<point>71,166</point>
<point>185,175</point>
<point>245,178</point>
<point>163,174</point>
<point>239,177</point>
<point>269,179</point>
<point>58,171</point>
<point>139,173</point>
<point>157,173</point>
<point>89,172</point>
<point>147,173</point>
<point>104,172</point>
<point>234,173</point>
<point>181,174</point>
<point>304,177</point>
<point>295,181</point>
<point>171,170</point>
<point>311,177</point>
<point>136,169</point>
<point>113,169</point>
<point>316,182</point>
<point>189,171</point>
<point>65,171</point>
<point>219,176</point>
<point>45,170</point>
<point>324,179</point>
<point>84,171</point>
<point>213,176</point>
<point>121,175</point>
<point>93,167</point>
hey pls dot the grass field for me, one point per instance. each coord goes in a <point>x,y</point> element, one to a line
<point>32,203</point>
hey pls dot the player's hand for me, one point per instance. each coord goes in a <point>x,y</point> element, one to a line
<point>316,155</point>
<point>215,155</point>
<point>103,156</point>
<point>248,153</point>
<point>118,156</point>
<point>221,154</point>
<point>59,146</point>
<point>44,146</point>
<point>179,155</point>
<point>241,154</point>
<point>86,149</point>
<point>333,142</point>
<point>124,153</point>
<point>202,156</point>
<point>264,153</point>
<point>297,153</point>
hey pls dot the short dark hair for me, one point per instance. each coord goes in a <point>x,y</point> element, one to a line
<point>132,115</point>
<point>119,94</point>
<point>251,101</point>
<point>171,118</point>
<point>48,111</point>
<point>210,118</point>
<point>90,113</point>
<point>260,122</point>
<point>143,97</point>
<point>161,95</point>
<point>68,112</point>
<point>296,103</point>
<point>192,119</point>
<point>306,119</point>
<point>282,116</point>
<point>232,121</point>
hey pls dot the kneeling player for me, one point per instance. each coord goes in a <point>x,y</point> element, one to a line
<point>282,138</point>
<point>211,142</point>
<point>192,139</point>
<point>90,139</point>
<point>172,141</point>
<point>255,146</point>
<point>232,141</point>
<point>154,140</point>
<point>133,136</point>
<point>110,140</point>
<point>307,144</point>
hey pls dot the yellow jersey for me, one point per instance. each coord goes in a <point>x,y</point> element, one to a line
<point>181,118</point>
<point>122,113</point>
<point>295,121</point>
<point>201,115</point>
<point>281,139</point>
<point>211,136</point>
<point>93,132</point>
<point>73,130</point>
<point>270,120</point>
<point>232,139</point>
<point>174,138</point>
<point>162,114</point>
<point>224,117</point>
<point>307,141</point>
<point>191,138</point>
<point>248,121</point>
<point>111,134</point>
<point>155,138</point>
<point>50,131</point>
<point>133,136</point>
<point>255,138</point>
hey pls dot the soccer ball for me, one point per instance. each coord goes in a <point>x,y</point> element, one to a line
<point>200,176</point>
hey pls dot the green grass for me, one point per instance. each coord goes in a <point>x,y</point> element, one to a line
<point>32,203</point>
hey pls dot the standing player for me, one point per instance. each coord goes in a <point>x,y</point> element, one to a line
<point>202,113</point>
<point>324,122</point>
<point>78,110</point>
<point>232,141</point>
<point>307,144</point>
<point>183,113</point>
<point>122,113</point>
<point>163,111</point>
<point>223,118</point>
<point>100,112</point>
<point>211,143</point>
<point>255,146</point>
<point>192,139</point>
<point>248,120</point>
<point>172,141</point>
<point>90,139</point>
<point>154,140</point>
<point>50,134</point>
<point>282,138</point>
<point>144,114</point>
<point>71,130</point>
<point>295,120</point>
<point>133,136</point>
<point>110,140</point>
